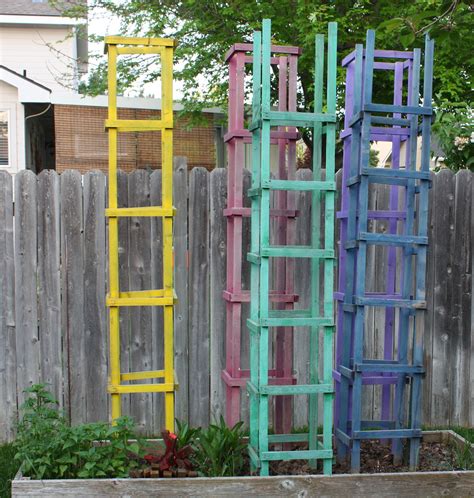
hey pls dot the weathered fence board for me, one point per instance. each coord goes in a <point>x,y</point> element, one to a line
<point>443,193</point>
<point>180,241</point>
<point>26,311</point>
<point>72,308</point>
<point>217,261</point>
<point>53,319</point>
<point>49,282</point>
<point>8,387</point>
<point>199,385</point>
<point>140,279</point>
<point>95,328</point>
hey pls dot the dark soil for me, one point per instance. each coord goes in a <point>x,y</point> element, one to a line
<point>376,458</point>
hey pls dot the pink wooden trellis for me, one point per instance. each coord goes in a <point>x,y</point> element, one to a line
<point>284,214</point>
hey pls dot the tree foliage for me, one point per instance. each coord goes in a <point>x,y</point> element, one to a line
<point>205,29</point>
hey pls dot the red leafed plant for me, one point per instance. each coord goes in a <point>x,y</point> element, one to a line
<point>173,458</point>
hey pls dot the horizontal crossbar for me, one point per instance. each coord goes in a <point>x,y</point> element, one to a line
<point>143,388</point>
<point>387,434</point>
<point>243,211</point>
<point>399,109</point>
<point>152,374</point>
<point>296,455</point>
<point>296,252</point>
<point>153,42</point>
<point>396,173</point>
<point>395,303</point>
<point>139,212</point>
<point>244,297</point>
<point>386,239</point>
<point>140,50</point>
<point>138,124</point>
<point>386,366</point>
<point>291,390</point>
<point>245,375</point>
<point>290,322</point>
<point>289,118</point>
<point>142,298</point>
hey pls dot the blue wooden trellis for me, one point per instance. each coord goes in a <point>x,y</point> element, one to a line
<point>409,301</point>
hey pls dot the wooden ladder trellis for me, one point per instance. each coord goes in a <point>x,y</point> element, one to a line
<point>234,376</point>
<point>165,297</point>
<point>262,317</point>
<point>395,123</point>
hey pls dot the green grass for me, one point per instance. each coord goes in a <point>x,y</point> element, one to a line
<point>8,469</point>
<point>466,432</point>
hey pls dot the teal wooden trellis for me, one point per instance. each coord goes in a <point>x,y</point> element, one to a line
<point>265,447</point>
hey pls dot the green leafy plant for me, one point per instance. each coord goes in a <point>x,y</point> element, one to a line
<point>186,435</point>
<point>221,450</point>
<point>49,448</point>
<point>454,130</point>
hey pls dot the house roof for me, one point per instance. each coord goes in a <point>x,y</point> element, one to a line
<point>37,8</point>
<point>24,77</point>
<point>28,89</point>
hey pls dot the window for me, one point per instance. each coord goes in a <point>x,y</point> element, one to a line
<point>4,139</point>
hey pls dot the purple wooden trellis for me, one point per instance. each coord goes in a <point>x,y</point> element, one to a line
<point>284,213</point>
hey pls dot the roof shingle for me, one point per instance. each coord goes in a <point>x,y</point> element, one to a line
<point>37,8</point>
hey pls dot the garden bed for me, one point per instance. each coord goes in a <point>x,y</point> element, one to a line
<point>381,484</point>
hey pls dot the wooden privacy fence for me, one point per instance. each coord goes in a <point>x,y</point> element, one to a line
<point>53,327</point>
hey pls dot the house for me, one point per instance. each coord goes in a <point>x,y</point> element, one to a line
<point>46,124</point>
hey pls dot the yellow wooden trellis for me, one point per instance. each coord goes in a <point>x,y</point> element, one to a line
<point>165,297</point>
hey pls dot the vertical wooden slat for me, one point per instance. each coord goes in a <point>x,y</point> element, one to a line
<point>26,310</point>
<point>124,283</point>
<point>72,269</point>
<point>49,282</point>
<point>217,272</point>
<point>181,309</point>
<point>443,195</point>
<point>140,279</point>
<point>199,386</point>
<point>245,309</point>
<point>157,342</point>
<point>426,395</point>
<point>95,329</point>
<point>461,298</point>
<point>8,359</point>
<point>302,290</point>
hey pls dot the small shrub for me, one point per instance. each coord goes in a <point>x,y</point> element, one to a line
<point>49,448</point>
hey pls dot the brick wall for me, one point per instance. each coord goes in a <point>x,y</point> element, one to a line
<point>81,141</point>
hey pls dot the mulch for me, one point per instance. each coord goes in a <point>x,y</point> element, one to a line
<point>376,458</point>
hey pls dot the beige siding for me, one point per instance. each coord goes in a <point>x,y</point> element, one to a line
<point>9,102</point>
<point>47,54</point>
